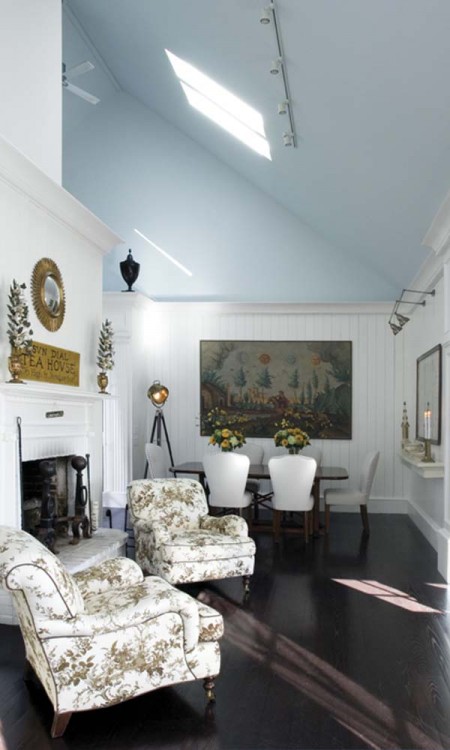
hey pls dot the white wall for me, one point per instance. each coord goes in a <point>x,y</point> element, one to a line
<point>174,338</point>
<point>30,80</point>
<point>40,219</point>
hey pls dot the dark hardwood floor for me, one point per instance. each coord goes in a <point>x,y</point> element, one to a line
<point>344,643</point>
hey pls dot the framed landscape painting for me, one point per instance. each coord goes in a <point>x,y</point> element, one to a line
<point>253,385</point>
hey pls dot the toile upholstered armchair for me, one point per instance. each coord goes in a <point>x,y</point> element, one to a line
<point>177,539</point>
<point>106,634</point>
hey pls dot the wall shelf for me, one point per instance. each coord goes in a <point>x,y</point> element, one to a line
<point>425,470</point>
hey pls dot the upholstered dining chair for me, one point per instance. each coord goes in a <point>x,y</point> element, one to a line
<point>106,634</point>
<point>227,474</point>
<point>360,496</point>
<point>292,480</point>
<point>177,539</point>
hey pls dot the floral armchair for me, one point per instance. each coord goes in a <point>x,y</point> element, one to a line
<point>178,540</point>
<point>106,634</point>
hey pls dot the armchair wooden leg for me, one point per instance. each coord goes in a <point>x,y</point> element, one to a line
<point>109,516</point>
<point>246,582</point>
<point>276,524</point>
<point>60,722</point>
<point>209,683</point>
<point>365,518</point>
<point>327,519</point>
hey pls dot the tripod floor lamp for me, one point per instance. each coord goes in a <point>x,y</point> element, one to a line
<point>158,395</point>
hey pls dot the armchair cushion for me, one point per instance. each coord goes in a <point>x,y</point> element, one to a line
<point>203,545</point>
<point>118,573</point>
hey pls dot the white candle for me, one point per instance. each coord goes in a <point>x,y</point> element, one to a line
<point>427,423</point>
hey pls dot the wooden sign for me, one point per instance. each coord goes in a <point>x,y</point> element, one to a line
<point>50,364</point>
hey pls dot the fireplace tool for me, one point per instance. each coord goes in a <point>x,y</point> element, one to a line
<point>46,529</point>
<point>81,520</point>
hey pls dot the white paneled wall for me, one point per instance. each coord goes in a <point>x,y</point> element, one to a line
<point>377,378</point>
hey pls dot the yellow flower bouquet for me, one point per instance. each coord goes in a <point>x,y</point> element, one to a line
<point>292,438</point>
<point>227,439</point>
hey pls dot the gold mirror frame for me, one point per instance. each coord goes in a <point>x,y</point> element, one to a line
<point>48,294</point>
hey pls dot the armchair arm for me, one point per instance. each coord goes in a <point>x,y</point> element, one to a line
<point>231,524</point>
<point>161,533</point>
<point>118,573</point>
<point>120,609</point>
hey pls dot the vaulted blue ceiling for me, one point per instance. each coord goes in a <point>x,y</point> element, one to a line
<point>340,217</point>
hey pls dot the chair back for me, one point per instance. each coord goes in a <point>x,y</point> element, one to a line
<point>157,462</point>
<point>368,470</point>
<point>313,451</point>
<point>254,451</point>
<point>226,474</point>
<point>292,480</point>
<point>28,567</point>
<point>174,503</point>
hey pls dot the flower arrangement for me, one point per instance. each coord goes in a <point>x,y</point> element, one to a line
<point>292,438</point>
<point>19,328</point>
<point>105,356</point>
<point>227,439</point>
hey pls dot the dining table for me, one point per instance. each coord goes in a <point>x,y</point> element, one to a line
<point>261,471</point>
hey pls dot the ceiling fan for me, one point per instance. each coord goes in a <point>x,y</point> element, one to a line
<point>78,70</point>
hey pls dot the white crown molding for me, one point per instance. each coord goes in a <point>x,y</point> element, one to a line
<point>438,235</point>
<point>23,176</point>
<point>250,308</point>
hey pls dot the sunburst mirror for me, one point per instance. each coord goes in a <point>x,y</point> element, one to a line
<point>48,294</point>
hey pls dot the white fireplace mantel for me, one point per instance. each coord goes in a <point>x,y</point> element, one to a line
<point>76,430</point>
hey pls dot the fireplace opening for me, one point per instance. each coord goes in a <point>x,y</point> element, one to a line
<point>55,498</point>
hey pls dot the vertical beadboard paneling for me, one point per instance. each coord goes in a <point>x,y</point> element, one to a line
<point>375,393</point>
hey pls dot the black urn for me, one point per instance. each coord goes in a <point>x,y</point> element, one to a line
<point>130,271</point>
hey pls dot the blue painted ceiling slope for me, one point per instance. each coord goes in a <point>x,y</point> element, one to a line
<point>339,218</point>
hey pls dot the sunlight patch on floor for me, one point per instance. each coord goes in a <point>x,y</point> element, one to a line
<point>351,705</point>
<point>388,594</point>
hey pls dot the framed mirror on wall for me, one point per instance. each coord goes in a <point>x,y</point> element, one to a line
<point>48,294</point>
<point>428,396</point>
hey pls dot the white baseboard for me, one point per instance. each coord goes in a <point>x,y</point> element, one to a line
<point>376,505</point>
<point>438,537</point>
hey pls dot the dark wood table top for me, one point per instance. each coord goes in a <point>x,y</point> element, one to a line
<point>261,471</point>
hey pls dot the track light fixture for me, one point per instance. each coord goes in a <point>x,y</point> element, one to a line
<point>266,14</point>
<point>397,321</point>
<point>276,66</point>
<point>269,15</point>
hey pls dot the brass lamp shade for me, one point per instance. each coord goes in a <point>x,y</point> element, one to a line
<point>158,394</point>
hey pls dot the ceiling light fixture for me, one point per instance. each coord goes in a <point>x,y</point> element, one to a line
<point>279,66</point>
<point>266,14</point>
<point>221,106</point>
<point>288,139</point>
<point>276,66</point>
<point>397,321</point>
<point>166,255</point>
<point>283,107</point>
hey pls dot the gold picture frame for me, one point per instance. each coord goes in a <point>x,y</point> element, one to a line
<point>48,294</point>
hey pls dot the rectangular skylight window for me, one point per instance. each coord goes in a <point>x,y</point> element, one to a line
<point>221,106</point>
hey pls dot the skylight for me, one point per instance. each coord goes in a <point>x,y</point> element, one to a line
<point>221,106</point>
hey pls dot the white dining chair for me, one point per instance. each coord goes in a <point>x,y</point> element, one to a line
<point>255,452</point>
<point>313,451</point>
<point>226,475</point>
<point>292,479</point>
<point>360,496</point>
